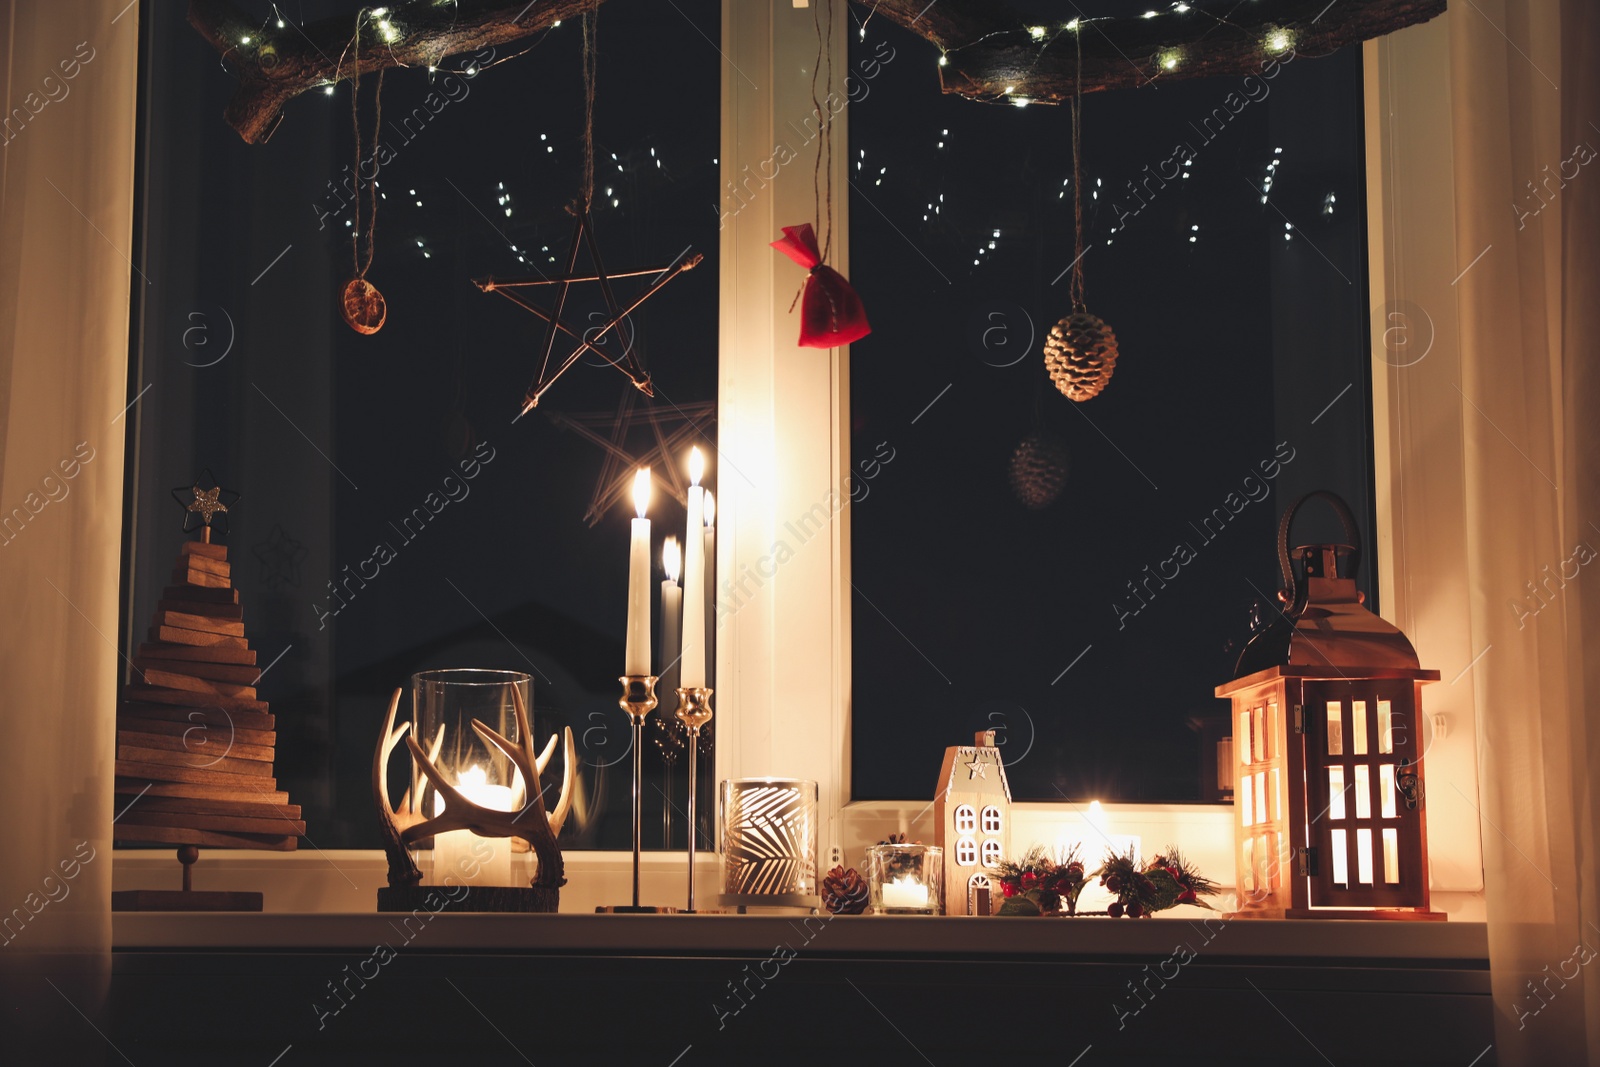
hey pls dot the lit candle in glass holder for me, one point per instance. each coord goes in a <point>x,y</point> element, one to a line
<point>461,855</point>
<point>906,879</point>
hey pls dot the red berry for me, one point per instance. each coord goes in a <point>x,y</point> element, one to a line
<point>1135,909</point>
<point>1115,910</point>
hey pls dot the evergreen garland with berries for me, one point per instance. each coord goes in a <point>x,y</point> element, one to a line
<point>1165,882</point>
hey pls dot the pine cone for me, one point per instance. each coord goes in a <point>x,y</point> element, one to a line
<point>1080,354</point>
<point>1038,470</point>
<point>844,892</point>
<point>896,839</point>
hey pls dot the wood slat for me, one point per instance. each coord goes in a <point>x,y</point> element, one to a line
<point>197,653</point>
<point>197,577</point>
<point>227,823</point>
<point>204,623</point>
<point>179,835</point>
<point>209,549</point>
<point>178,728</point>
<point>246,784</point>
<point>249,809</point>
<point>210,610</point>
<point>178,635</point>
<point>248,793</point>
<point>178,757</point>
<point>152,694</point>
<point>208,564</point>
<point>205,744</point>
<point>237,674</point>
<point>191,716</point>
<point>174,680</point>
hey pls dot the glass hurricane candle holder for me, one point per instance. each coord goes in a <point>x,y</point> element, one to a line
<point>906,879</point>
<point>445,703</point>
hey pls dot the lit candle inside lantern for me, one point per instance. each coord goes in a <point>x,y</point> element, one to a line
<point>671,619</point>
<point>636,652</point>
<point>463,857</point>
<point>905,893</point>
<point>710,563</point>
<point>693,663</point>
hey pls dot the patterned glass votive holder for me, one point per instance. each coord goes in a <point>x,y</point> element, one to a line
<point>906,879</point>
<point>769,842</point>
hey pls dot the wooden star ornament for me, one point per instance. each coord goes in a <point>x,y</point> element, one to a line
<point>207,503</point>
<point>590,339</point>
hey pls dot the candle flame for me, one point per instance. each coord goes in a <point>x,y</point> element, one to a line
<point>697,466</point>
<point>641,490</point>
<point>671,558</point>
<point>468,782</point>
<point>711,510</point>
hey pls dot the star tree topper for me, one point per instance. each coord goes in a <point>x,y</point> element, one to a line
<point>206,503</point>
<point>587,340</point>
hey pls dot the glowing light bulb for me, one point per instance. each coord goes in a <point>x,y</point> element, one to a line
<point>1036,32</point>
<point>1278,41</point>
<point>244,40</point>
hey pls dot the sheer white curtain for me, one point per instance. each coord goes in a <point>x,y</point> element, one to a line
<point>66,214</point>
<point>1525,126</point>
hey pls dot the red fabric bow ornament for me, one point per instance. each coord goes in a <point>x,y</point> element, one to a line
<point>830,311</point>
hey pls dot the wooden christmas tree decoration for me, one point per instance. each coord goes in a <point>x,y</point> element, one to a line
<point>194,745</point>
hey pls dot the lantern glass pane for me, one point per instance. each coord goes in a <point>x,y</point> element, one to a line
<point>1385,728</point>
<point>1386,790</point>
<point>1273,724</point>
<point>1243,739</point>
<point>1277,810</point>
<point>1335,793</point>
<point>1363,791</point>
<point>1261,796</point>
<point>1335,729</point>
<point>1341,863</point>
<point>1249,862</point>
<point>1358,727</point>
<point>1258,747</point>
<point>1391,855</point>
<point>1364,856</point>
<point>1247,802</point>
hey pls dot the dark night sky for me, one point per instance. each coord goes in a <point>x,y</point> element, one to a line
<point>1230,345</point>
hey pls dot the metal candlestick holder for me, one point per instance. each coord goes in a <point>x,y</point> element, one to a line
<point>694,708</point>
<point>638,700</point>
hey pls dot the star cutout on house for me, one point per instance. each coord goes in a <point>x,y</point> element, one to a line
<point>206,503</point>
<point>671,432</point>
<point>280,556</point>
<point>977,768</point>
<point>589,339</point>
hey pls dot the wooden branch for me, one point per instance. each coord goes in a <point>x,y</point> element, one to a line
<point>276,65</point>
<point>994,54</point>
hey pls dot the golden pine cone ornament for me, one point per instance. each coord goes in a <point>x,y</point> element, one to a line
<point>845,892</point>
<point>1080,353</point>
<point>1038,470</point>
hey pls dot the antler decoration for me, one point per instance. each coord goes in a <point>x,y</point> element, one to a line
<point>402,868</point>
<point>531,822</point>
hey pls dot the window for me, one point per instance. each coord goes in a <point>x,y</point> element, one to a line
<point>961,234</point>
<point>966,819</point>
<point>991,853</point>
<point>966,852</point>
<point>991,820</point>
<point>340,443</point>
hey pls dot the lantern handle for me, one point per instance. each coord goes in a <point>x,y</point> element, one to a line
<point>1346,519</point>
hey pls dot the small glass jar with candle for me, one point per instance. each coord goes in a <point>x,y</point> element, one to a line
<point>906,879</point>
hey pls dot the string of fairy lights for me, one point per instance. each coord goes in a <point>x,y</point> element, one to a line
<point>387,29</point>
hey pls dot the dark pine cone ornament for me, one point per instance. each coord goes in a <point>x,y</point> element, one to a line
<point>1038,470</point>
<point>1080,354</point>
<point>844,892</point>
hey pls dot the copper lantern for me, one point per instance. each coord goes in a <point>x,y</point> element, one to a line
<point>1328,750</point>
